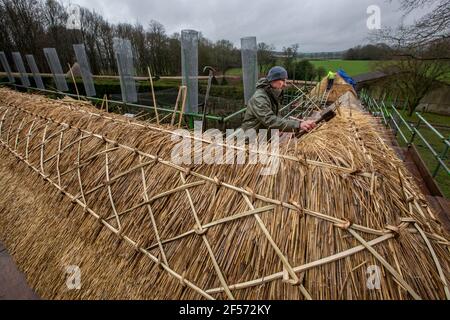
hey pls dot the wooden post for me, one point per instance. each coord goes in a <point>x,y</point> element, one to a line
<point>103,102</point>
<point>73,79</point>
<point>106,102</point>
<point>183,106</point>
<point>153,95</point>
<point>175,108</point>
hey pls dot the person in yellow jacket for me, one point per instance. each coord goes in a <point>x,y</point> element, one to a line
<point>331,76</point>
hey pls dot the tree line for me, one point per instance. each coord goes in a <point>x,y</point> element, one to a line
<point>28,26</point>
<point>31,25</point>
<point>379,51</point>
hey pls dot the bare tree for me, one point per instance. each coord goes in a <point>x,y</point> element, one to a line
<point>21,27</point>
<point>55,19</point>
<point>266,59</point>
<point>429,28</point>
<point>174,58</point>
<point>421,56</point>
<point>205,54</point>
<point>414,79</point>
<point>290,54</point>
<point>225,55</point>
<point>157,45</point>
<point>29,26</point>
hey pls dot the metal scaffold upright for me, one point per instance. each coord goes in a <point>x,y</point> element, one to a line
<point>21,69</point>
<point>85,69</point>
<point>124,59</point>
<point>34,69</point>
<point>6,66</point>
<point>249,51</point>
<point>189,67</point>
<point>55,66</point>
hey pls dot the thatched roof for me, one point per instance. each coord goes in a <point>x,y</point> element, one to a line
<point>83,187</point>
<point>340,87</point>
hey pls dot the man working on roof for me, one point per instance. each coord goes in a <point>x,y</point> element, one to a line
<point>262,108</point>
<point>331,76</point>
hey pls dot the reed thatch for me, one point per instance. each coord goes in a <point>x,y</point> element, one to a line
<point>340,87</point>
<point>83,187</point>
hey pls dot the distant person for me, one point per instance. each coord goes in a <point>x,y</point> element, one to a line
<point>263,106</point>
<point>331,76</point>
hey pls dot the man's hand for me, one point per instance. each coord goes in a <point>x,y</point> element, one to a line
<point>307,125</point>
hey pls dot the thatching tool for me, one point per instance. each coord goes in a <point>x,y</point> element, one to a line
<point>208,89</point>
<point>325,116</point>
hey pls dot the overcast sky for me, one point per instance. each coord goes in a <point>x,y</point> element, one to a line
<point>317,25</point>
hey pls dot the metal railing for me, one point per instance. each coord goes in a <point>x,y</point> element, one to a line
<point>392,118</point>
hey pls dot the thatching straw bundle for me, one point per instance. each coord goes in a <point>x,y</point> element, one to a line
<point>86,188</point>
<point>340,87</point>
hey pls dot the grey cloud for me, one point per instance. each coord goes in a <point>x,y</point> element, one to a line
<point>317,25</point>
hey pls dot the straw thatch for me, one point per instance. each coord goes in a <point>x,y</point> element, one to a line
<point>340,87</point>
<point>82,187</point>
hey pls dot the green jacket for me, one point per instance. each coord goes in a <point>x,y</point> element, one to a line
<point>262,111</point>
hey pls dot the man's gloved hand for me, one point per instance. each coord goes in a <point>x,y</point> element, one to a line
<point>307,125</point>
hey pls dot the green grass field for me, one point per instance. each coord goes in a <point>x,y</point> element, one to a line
<point>352,67</point>
<point>432,118</point>
<point>442,178</point>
